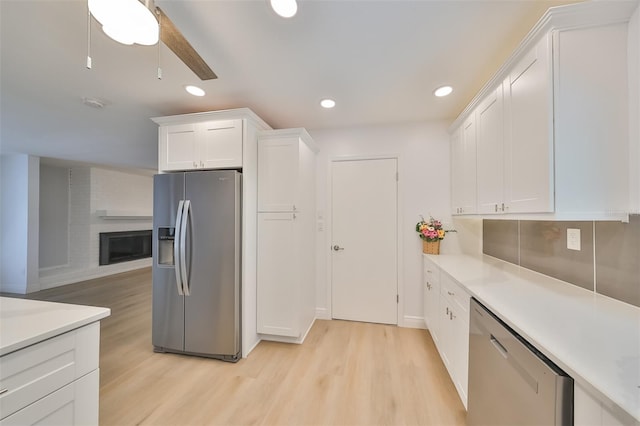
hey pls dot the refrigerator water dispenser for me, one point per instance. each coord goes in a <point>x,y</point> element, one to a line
<point>165,246</point>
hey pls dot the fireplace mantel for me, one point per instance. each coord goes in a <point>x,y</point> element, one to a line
<point>123,215</point>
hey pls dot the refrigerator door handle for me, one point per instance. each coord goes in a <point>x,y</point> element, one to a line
<point>176,247</point>
<point>183,247</point>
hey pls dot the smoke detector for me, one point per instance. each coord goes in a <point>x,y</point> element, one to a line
<point>94,102</point>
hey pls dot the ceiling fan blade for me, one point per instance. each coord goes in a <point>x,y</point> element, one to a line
<point>174,40</point>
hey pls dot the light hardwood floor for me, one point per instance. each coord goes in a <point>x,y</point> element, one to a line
<point>345,373</point>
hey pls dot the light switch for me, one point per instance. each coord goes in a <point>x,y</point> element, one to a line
<point>573,239</point>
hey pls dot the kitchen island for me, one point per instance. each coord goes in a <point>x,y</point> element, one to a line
<point>594,338</point>
<point>49,354</point>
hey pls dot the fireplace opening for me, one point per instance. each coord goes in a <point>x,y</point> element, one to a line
<point>124,246</point>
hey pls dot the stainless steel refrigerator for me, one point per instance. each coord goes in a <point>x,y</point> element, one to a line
<point>196,263</point>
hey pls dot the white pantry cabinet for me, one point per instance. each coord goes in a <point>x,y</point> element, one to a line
<point>561,120</point>
<point>286,235</point>
<point>431,280</point>
<point>52,382</point>
<point>208,145</point>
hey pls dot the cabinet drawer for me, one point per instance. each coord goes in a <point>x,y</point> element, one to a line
<point>73,404</point>
<point>31,373</point>
<point>450,290</point>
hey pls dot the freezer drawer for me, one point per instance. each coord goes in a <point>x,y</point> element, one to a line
<point>510,381</point>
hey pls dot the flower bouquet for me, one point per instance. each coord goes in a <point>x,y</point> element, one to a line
<point>431,232</point>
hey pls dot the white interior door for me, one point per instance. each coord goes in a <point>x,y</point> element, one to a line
<point>364,279</point>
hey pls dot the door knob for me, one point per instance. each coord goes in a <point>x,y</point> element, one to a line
<point>337,247</point>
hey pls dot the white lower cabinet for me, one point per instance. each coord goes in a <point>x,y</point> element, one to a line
<point>73,404</point>
<point>589,411</point>
<point>431,281</point>
<point>52,382</point>
<point>446,311</point>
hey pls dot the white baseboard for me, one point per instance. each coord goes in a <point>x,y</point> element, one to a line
<point>410,321</point>
<point>322,314</point>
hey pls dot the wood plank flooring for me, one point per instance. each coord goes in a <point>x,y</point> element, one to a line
<point>345,373</point>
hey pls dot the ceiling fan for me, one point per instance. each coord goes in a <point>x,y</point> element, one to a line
<point>141,22</point>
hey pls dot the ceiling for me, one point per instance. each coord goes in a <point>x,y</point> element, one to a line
<point>380,61</point>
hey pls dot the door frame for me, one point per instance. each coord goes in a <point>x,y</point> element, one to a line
<point>399,226</point>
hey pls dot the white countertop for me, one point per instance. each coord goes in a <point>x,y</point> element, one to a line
<point>25,322</point>
<point>594,338</point>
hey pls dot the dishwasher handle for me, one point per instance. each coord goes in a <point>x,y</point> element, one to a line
<point>501,349</point>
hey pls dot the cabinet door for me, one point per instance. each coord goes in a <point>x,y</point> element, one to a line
<point>468,169</point>
<point>277,174</point>
<point>529,161</point>
<point>220,144</point>
<point>456,170</point>
<point>489,150</point>
<point>178,148</point>
<point>463,168</point>
<point>460,347</point>
<point>277,296</point>
<point>431,299</point>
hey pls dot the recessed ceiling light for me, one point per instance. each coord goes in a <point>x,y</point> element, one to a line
<point>443,91</point>
<point>284,8</point>
<point>327,103</point>
<point>194,90</point>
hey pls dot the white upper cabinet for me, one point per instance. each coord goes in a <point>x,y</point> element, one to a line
<point>529,133</point>
<point>221,144</point>
<point>552,126</point>
<point>278,171</point>
<point>208,145</point>
<point>490,153</point>
<point>463,154</point>
<point>286,171</point>
<point>178,147</point>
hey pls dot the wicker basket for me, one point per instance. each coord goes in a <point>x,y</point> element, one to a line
<point>431,247</point>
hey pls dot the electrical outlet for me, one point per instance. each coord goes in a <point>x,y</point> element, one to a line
<point>573,239</point>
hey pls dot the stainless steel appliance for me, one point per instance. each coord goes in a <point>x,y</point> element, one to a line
<point>196,263</point>
<point>510,381</point>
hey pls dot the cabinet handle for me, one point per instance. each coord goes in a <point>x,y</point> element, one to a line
<point>496,207</point>
<point>502,206</point>
<point>294,215</point>
<point>294,208</point>
<point>450,293</point>
<point>451,316</point>
<point>5,390</point>
<point>428,286</point>
<point>195,164</point>
<point>202,164</point>
<point>447,310</point>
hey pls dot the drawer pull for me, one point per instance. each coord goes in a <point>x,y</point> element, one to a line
<point>5,390</point>
<point>450,293</point>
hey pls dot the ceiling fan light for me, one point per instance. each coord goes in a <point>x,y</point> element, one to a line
<point>284,8</point>
<point>119,34</point>
<point>126,21</point>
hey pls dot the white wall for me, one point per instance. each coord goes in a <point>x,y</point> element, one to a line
<point>54,217</point>
<point>19,223</point>
<point>423,189</point>
<point>92,189</point>
<point>634,109</point>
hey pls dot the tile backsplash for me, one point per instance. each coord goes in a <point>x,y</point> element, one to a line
<point>612,269</point>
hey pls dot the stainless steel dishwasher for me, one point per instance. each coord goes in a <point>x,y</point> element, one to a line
<point>510,381</point>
